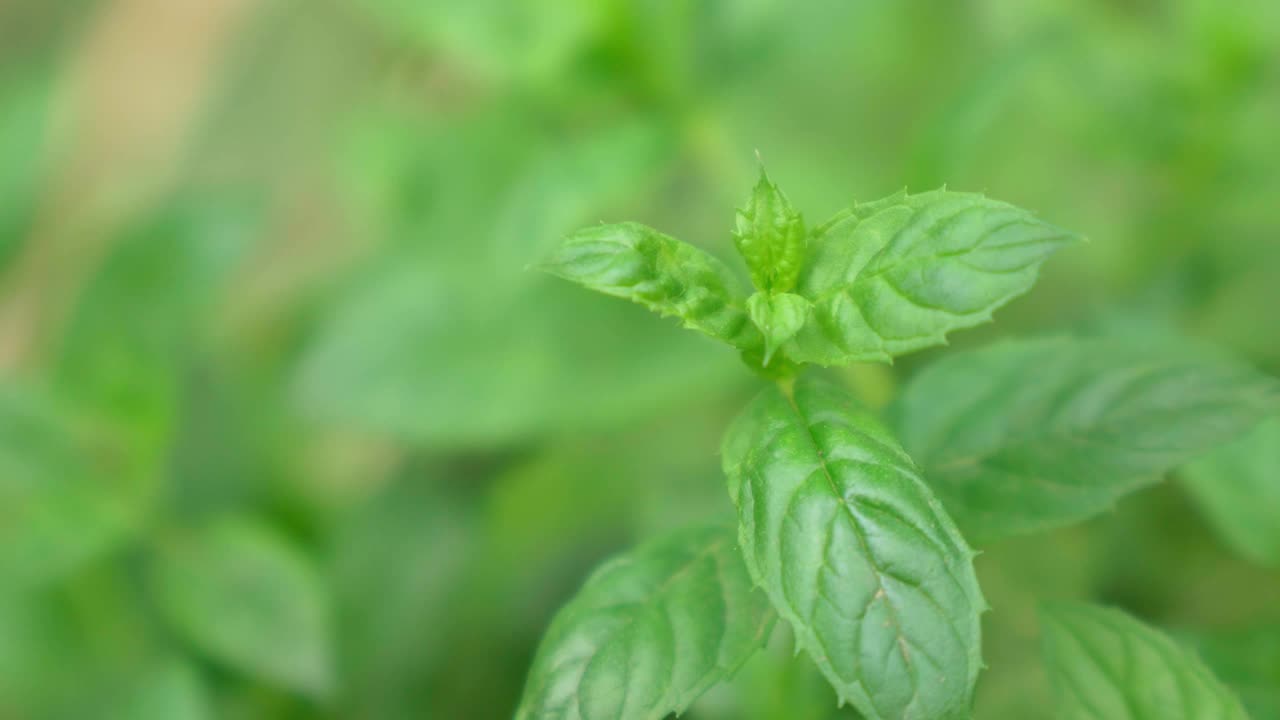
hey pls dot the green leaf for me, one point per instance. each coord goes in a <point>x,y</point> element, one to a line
<point>69,490</point>
<point>898,274</point>
<point>649,632</point>
<point>242,595</point>
<point>132,332</point>
<point>1027,436</point>
<point>1103,663</point>
<point>1238,488</point>
<point>779,318</point>
<point>770,237</point>
<point>672,278</point>
<point>1247,659</point>
<point>856,553</point>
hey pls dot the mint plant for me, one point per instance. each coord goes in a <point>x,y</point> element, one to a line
<point>856,530</point>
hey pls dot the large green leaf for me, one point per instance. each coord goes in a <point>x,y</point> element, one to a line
<point>1103,663</point>
<point>855,552</point>
<point>649,632</point>
<point>670,277</point>
<point>238,592</point>
<point>898,274</point>
<point>1238,488</point>
<point>1025,436</point>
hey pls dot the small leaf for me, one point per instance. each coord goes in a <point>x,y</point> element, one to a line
<point>1103,663</point>
<point>853,549</point>
<point>898,274</point>
<point>672,278</point>
<point>1027,436</point>
<point>239,593</point>
<point>1238,488</point>
<point>770,237</point>
<point>649,632</point>
<point>779,318</point>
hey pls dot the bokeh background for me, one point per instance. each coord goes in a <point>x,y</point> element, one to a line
<point>288,431</point>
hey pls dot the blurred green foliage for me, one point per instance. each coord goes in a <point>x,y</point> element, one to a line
<point>298,436</point>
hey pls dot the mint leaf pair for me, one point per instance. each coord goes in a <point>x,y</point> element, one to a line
<point>877,280</point>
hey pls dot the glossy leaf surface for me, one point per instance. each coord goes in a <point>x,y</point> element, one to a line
<point>670,277</point>
<point>897,275</point>
<point>855,552</point>
<point>1026,436</point>
<point>649,632</point>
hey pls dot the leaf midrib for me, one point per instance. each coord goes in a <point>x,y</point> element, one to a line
<point>859,532</point>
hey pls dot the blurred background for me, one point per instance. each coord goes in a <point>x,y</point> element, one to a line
<point>287,431</point>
